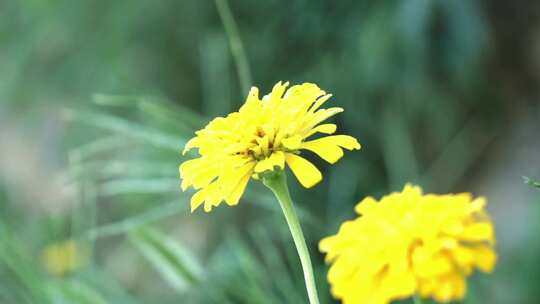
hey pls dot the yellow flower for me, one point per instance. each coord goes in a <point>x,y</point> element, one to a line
<point>409,243</point>
<point>64,257</point>
<point>263,135</point>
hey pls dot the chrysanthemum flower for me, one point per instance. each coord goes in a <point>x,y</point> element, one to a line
<point>410,244</point>
<point>264,135</point>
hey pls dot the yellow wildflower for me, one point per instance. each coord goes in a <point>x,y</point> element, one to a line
<point>64,257</point>
<point>409,243</point>
<point>263,135</point>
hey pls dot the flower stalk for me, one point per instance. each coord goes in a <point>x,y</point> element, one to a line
<point>277,182</point>
<point>418,300</point>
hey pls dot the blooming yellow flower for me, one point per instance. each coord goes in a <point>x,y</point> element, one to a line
<point>409,243</point>
<point>64,257</point>
<point>263,135</point>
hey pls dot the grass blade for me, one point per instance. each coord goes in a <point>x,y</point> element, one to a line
<point>125,127</point>
<point>177,266</point>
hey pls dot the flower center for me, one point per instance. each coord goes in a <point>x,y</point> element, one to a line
<point>262,144</point>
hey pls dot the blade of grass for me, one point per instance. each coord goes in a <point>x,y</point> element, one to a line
<point>215,75</point>
<point>458,155</point>
<point>22,267</point>
<point>143,185</point>
<point>250,268</point>
<point>114,100</point>
<point>275,264</point>
<point>177,265</point>
<point>398,150</point>
<point>125,127</point>
<point>235,43</point>
<point>177,114</point>
<point>96,147</point>
<point>76,292</point>
<point>107,285</point>
<point>129,224</point>
<point>109,169</point>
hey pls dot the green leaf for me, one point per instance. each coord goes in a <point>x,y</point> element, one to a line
<point>144,185</point>
<point>96,147</point>
<point>531,182</point>
<point>76,292</point>
<point>176,264</point>
<point>114,100</point>
<point>114,169</point>
<point>131,223</point>
<point>276,264</point>
<point>164,110</point>
<point>125,127</point>
<point>22,267</point>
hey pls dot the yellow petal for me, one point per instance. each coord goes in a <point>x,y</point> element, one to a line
<point>204,177</point>
<point>263,143</point>
<point>344,141</point>
<point>190,144</point>
<point>305,172</point>
<point>213,196</point>
<point>411,189</point>
<point>485,258</point>
<point>478,232</point>
<point>187,167</point>
<point>277,93</point>
<point>320,116</point>
<point>293,142</point>
<point>197,199</point>
<point>366,205</point>
<point>320,102</point>
<point>478,204</point>
<point>324,128</point>
<point>252,98</point>
<point>236,194</point>
<point>277,159</point>
<point>327,151</point>
<point>328,148</point>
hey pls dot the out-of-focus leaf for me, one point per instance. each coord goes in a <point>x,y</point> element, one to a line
<point>276,265</point>
<point>256,286</point>
<point>76,292</point>
<point>131,223</point>
<point>131,129</point>
<point>96,147</point>
<point>175,263</point>
<point>456,158</point>
<point>163,110</point>
<point>114,100</point>
<point>399,154</point>
<point>531,182</point>
<point>22,267</point>
<point>109,169</point>
<point>215,74</point>
<point>101,281</point>
<point>145,185</point>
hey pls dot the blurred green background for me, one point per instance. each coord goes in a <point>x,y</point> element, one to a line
<point>97,99</point>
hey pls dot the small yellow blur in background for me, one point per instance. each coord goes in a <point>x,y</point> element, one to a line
<point>64,257</point>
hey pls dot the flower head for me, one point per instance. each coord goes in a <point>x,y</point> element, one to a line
<point>63,257</point>
<point>409,243</point>
<point>263,135</point>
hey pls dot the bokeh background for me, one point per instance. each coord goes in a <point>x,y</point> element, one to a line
<point>97,99</point>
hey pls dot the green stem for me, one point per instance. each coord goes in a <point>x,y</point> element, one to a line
<point>235,43</point>
<point>418,300</point>
<point>278,184</point>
